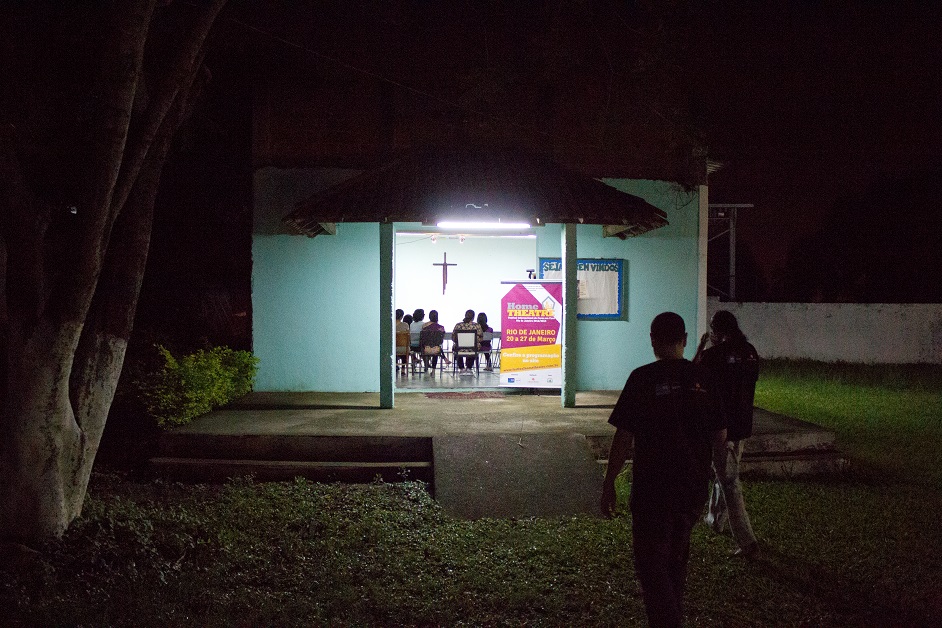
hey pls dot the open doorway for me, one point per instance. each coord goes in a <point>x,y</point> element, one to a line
<point>477,263</point>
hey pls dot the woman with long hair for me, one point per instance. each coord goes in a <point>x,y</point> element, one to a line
<point>486,340</point>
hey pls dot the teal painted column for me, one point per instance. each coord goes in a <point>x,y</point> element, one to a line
<point>387,338</point>
<point>570,309</point>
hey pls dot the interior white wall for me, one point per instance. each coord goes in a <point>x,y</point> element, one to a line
<point>474,283</point>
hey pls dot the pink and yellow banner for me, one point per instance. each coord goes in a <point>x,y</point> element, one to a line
<point>531,350</point>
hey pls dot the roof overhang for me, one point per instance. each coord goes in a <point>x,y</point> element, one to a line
<point>433,185</point>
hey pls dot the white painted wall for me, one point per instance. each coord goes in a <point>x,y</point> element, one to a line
<point>887,333</point>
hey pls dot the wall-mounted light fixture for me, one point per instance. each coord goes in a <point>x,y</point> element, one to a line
<point>471,225</point>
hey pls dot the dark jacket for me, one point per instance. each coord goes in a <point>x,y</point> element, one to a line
<point>733,369</point>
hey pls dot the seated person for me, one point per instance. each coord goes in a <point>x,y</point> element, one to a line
<point>402,341</point>
<point>466,362</point>
<point>486,346</point>
<point>430,341</point>
<point>415,328</point>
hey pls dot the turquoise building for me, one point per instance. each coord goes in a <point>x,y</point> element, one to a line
<point>323,306</point>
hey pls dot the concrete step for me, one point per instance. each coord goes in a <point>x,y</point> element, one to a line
<point>778,456</point>
<point>783,466</point>
<point>217,457</point>
<point>781,447</point>
<point>295,447</point>
<point>816,440</point>
<point>219,470</point>
<point>799,464</point>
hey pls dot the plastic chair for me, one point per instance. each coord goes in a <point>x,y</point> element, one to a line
<point>415,351</point>
<point>402,349</point>
<point>490,348</point>
<point>466,345</point>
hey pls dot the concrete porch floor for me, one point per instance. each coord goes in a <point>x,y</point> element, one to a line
<point>507,412</point>
<point>483,452</point>
<point>429,412</point>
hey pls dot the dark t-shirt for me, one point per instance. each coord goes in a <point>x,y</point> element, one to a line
<point>667,407</point>
<point>733,367</point>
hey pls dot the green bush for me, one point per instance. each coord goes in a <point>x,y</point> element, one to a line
<point>186,388</point>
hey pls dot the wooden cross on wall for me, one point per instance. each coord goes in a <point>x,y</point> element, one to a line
<point>444,266</point>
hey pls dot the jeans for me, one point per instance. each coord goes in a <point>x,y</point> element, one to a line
<point>726,500</point>
<point>661,543</point>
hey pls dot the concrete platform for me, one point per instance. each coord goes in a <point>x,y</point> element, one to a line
<point>483,452</point>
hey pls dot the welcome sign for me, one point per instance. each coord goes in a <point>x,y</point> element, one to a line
<point>601,285</point>
<point>531,350</point>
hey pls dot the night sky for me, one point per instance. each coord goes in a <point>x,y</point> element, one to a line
<point>812,102</point>
<point>812,107</point>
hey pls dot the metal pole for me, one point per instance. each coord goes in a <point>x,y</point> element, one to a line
<point>732,254</point>
<point>727,212</point>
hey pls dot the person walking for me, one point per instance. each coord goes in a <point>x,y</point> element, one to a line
<point>732,364</point>
<point>668,414</point>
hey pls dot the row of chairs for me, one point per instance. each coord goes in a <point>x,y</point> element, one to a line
<point>419,347</point>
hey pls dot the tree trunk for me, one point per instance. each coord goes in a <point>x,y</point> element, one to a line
<point>100,354</point>
<point>68,311</point>
<point>41,437</point>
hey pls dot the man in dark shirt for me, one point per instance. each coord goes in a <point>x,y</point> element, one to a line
<point>667,411</point>
<point>733,366</point>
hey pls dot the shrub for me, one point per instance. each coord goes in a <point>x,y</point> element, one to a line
<point>186,388</point>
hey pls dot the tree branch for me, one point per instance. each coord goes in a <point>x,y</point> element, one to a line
<point>116,86</point>
<point>126,165</point>
<point>111,315</point>
<point>180,75</point>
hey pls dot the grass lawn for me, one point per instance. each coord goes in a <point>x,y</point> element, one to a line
<point>889,418</point>
<point>863,549</point>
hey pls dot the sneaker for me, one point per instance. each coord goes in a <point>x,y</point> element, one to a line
<point>487,368</point>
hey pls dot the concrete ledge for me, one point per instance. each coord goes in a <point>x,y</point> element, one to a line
<point>513,455</point>
<point>295,447</point>
<point>218,470</point>
<point>788,466</point>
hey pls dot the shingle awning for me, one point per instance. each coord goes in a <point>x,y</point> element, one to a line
<point>432,185</point>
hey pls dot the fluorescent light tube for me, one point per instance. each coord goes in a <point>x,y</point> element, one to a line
<point>452,224</point>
